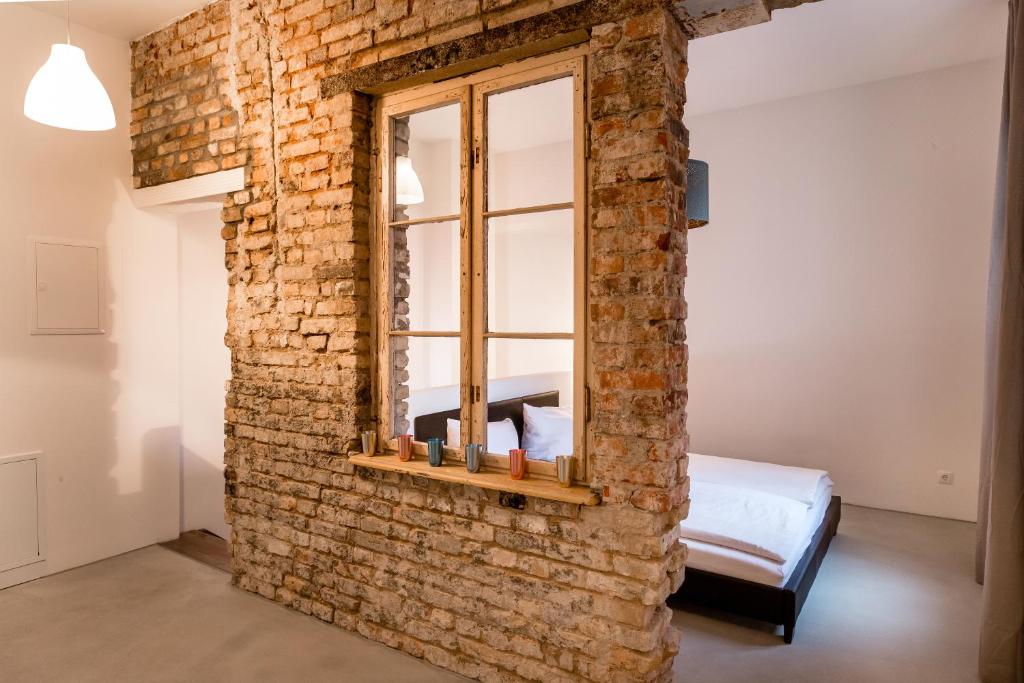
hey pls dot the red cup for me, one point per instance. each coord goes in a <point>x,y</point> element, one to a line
<point>405,447</point>
<point>517,463</point>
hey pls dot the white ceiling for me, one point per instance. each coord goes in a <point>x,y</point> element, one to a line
<point>125,19</point>
<point>837,43</point>
<point>816,47</point>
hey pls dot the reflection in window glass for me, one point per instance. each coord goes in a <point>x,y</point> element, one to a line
<point>425,276</point>
<point>426,154</point>
<point>529,146</point>
<point>530,272</point>
<point>526,367</point>
<point>425,378</point>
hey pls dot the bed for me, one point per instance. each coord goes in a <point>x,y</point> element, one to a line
<point>757,534</point>
<point>436,424</point>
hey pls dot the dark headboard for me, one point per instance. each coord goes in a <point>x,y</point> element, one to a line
<point>436,424</point>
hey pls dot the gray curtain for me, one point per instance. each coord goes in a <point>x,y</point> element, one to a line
<point>1001,501</point>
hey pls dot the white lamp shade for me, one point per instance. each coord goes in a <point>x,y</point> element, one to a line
<point>408,189</point>
<point>65,93</point>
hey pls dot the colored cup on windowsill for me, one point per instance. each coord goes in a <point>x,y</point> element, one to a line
<point>563,465</point>
<point>405,447</point>
<point>435,451</point>
<point>474,457</point>
<point>517,463</point>
<point>369,442</point>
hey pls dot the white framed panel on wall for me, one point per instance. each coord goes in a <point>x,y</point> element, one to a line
<point>22,531</point>
<point>66,288</point>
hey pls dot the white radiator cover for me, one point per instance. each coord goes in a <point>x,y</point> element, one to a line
<point>21,530</point>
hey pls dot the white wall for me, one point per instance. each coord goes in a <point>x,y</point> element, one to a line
<point>104,409</point>
<point>205,368</point>
<point>836,300</point>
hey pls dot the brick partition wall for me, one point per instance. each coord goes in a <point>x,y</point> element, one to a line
<point>553,592</point>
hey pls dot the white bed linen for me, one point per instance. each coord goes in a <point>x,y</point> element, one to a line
<point>738,564</point>
<point>743,519</point>
<point>798,483</point>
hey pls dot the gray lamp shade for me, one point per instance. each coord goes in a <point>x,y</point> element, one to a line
<point>697,204</point>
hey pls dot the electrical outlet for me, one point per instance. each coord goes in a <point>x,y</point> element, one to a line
<point>946,477</point>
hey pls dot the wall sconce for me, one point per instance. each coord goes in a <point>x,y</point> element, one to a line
<point>408,189</point>
<point>697,202</point>
<point>65,93</point>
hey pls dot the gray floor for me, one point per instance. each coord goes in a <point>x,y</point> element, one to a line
<point>895,601</point>
<point>153,615</point>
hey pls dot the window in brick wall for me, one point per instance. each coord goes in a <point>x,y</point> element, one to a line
<point>480,260</point>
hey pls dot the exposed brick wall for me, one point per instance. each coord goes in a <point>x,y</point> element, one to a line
<point>183,122</point>
<point>554,592</point>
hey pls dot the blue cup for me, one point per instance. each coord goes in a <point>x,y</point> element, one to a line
<point>435,451</point>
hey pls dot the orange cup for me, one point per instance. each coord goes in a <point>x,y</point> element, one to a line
<point>517,463</point>
<point>405,447</point>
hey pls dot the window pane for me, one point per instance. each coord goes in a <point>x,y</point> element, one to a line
<point>425,276</point>
<point>525,367</point>
<point>424,378</point>
<point>529,146</point>
<point>530,272</point>
<point>425,166</point>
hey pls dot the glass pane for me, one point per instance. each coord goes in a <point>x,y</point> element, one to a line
<point>425,166</point>
<point>530,272</point>
<point>425,277</point>
<point>424,378</point>
<point>529,146</point>
<point>518,368</point>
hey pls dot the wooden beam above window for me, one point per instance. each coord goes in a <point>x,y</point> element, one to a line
<point>703,18</point>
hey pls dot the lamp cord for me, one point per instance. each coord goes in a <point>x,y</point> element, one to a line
<point>69,20</point>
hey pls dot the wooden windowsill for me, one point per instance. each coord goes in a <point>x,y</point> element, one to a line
<point>456,473</point>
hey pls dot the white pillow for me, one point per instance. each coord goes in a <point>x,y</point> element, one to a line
<point>547,432</point>
<point>501,436</point>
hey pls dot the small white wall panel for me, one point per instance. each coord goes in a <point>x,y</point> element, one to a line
<point>66,294</point>
<point>19,513</point>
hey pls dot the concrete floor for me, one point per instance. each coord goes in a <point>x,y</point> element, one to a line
<point>154,615</point>
<point>895,601</point>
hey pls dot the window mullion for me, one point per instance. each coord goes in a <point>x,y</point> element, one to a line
<point>581,391</point>
<point>384,284</point>
<point>466,266</point>
<point>478,239</point>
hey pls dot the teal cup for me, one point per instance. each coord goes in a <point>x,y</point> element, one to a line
<point>474,457</point>
<point>435,451</point>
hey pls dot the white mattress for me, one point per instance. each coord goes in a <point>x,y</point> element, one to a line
<point>741,565</point>
<point>798,483</point>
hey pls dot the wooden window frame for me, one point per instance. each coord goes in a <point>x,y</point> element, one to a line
<point>470,93</point>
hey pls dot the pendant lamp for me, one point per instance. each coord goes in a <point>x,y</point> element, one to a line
<point>697,203</point>
<point>65,93</point>
<point>408,190</point>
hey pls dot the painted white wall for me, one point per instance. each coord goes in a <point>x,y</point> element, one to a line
<point>104,409</point>
<point>205,369</point>
<point>837,298</point>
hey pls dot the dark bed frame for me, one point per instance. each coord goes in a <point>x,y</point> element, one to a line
<point>779,606</point>
<point>436,424</point>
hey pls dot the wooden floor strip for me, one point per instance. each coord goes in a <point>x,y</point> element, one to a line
<point>202,546</point>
